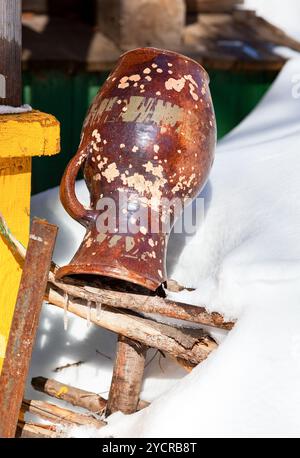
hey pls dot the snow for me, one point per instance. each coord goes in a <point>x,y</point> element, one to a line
<point>244,261</point>
<point>6,109</point>
<point>248,388</point>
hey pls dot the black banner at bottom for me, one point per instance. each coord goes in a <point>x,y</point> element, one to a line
<point>107,446</point>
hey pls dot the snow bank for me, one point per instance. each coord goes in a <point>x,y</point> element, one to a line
<point>251,230</point>
<point>247,266</point>
<point>244,261</point>
<point>248,388</point>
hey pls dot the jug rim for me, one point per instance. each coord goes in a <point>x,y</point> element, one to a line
<point>166,52</point>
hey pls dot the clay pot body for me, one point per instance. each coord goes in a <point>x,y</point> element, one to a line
<point>149,135</point>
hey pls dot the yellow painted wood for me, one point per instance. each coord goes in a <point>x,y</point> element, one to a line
<point>29,134</point>
<point>21,136</point>
<point>15,177</point>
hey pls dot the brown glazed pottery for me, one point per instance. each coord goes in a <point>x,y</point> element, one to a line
<point>149,135</point>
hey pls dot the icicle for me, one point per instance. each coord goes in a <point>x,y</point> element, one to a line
<point>88,318</point>
<point>98,310</point>
<point>66,303</point>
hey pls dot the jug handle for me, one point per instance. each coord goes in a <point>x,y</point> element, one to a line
<point>67,191</point>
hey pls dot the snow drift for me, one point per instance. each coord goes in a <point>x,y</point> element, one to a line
<point>244,261</point>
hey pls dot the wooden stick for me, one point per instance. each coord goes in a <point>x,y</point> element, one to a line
<point>147,304</point>
<point>190,344</point>
<point>36,431</point>
<point>127,377</point>
<point>10,52</point>
<point>80,398</point>
<point>24,324</point>
<point>59,415</point>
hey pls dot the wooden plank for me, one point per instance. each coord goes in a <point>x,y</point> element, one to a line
<point>10,52</point>
<point>24,325</point>
<point>127,377</point>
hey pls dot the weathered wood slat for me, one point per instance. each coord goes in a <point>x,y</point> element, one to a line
<point>24,325</point>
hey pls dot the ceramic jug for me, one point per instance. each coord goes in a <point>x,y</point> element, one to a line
<point>148,138</point>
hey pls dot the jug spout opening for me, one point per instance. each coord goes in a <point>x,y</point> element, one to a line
<point>135,259</point>
<point>108,276</point>
<point>112,277</point>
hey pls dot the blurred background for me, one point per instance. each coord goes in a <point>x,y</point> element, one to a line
<point>70,46</point>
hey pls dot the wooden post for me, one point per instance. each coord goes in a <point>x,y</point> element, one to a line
<point>127,377</point>
<point>24,325</point>
<point>10,52</point>
<point>22,136</point>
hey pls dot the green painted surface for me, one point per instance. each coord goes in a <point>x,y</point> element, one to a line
<point>235,95</point>
<point>68,96</point>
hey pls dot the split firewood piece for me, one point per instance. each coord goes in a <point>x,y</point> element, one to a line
<point>36,431</point>
<point>147,304</point>
<point>79,398</point>
<point>59,415</point>
<point>193,345</point>
<point>127,376</point>
<point>24,324</point>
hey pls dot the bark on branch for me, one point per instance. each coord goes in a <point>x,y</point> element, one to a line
<point>79,398</point>
<point>146,304</point>
<point>190,344</point>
